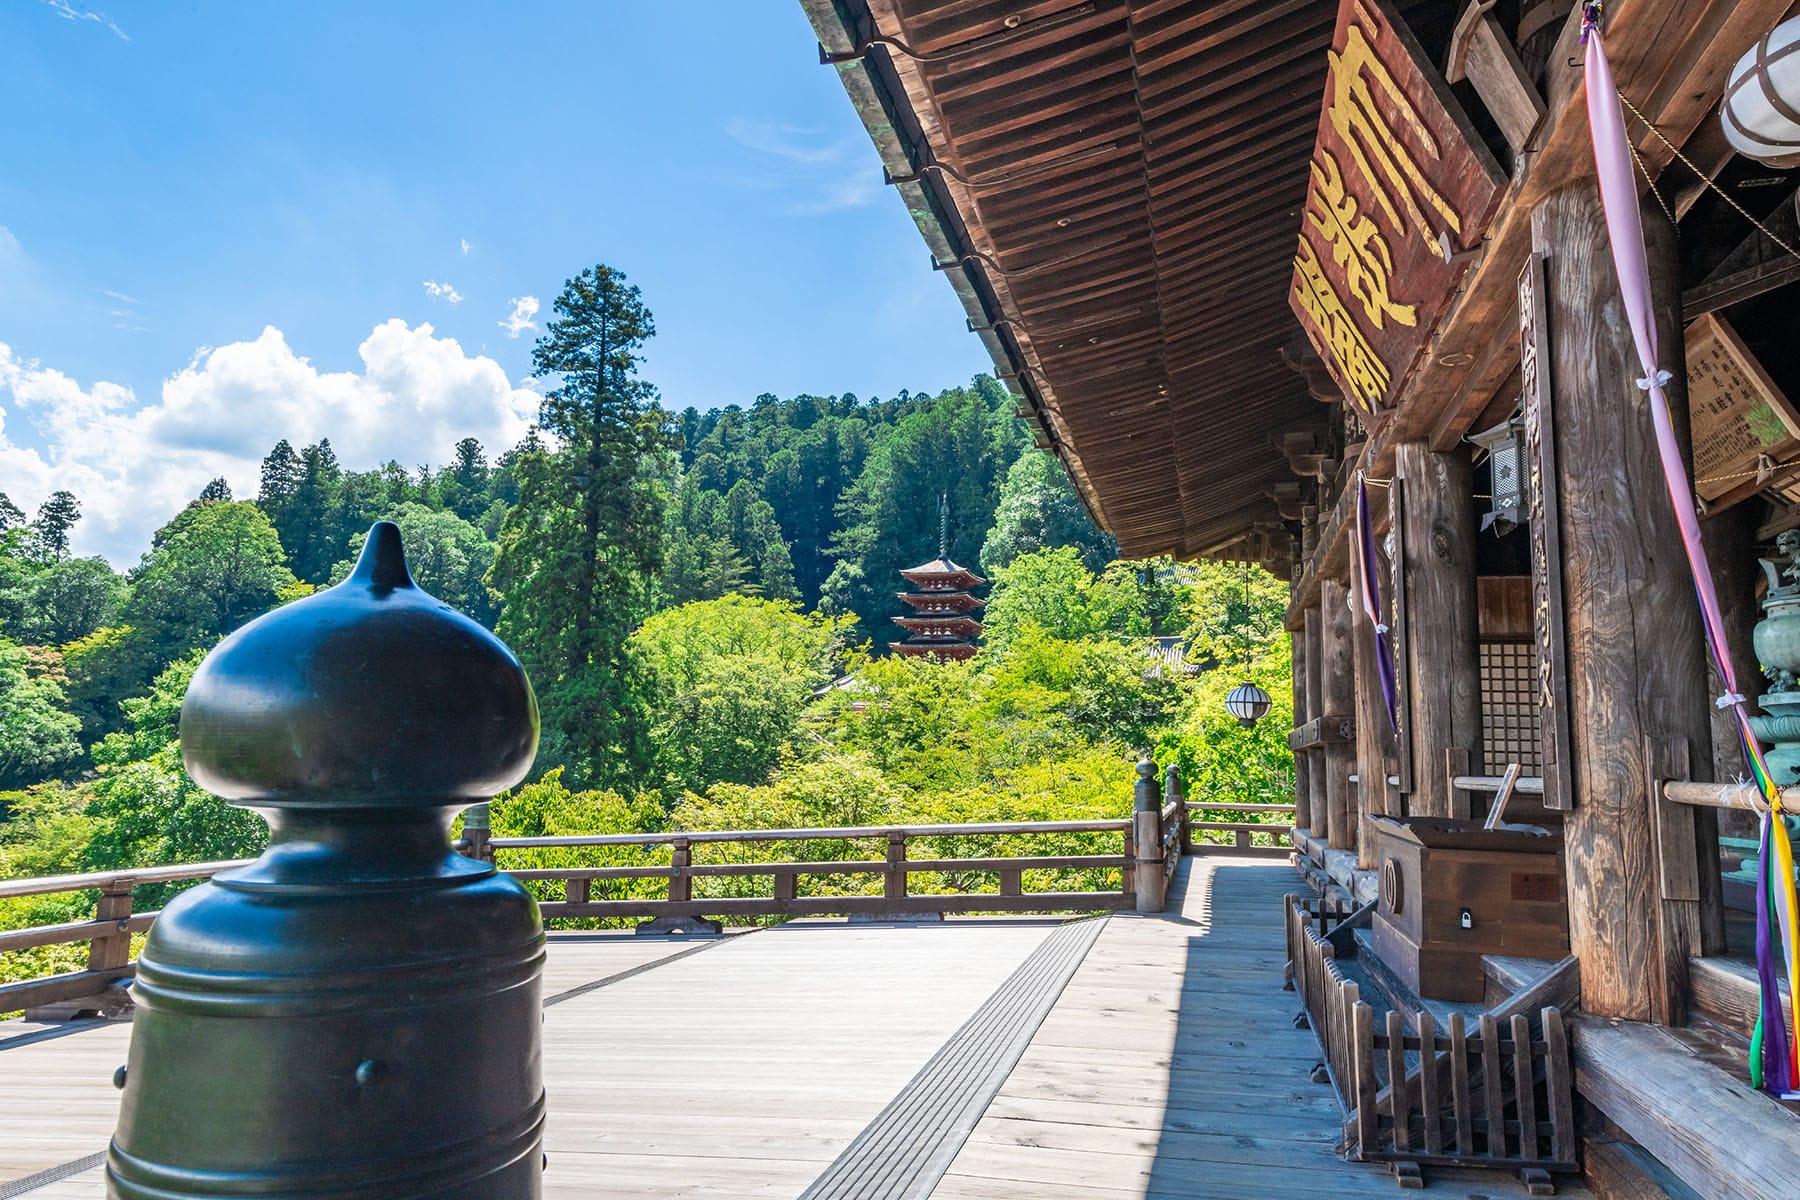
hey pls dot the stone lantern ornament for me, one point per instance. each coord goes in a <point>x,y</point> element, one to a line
<point>356,1014</point>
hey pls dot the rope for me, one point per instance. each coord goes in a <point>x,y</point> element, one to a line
<point>1701,175</point>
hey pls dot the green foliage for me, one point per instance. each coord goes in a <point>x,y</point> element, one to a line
<point>725,682</point>
<point>447,556</point>
<point>959,446</point>
<point>70,599</point>
<point>1038,510</point>
<point>148,810</point>
<point>55,518</point>
<point>579,553</point>
<point>547,808</point>
<point>37,735</point>
<point>211,569</point>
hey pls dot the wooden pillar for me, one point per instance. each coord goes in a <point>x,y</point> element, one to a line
<point>1337,691</point>
<point>1730,541</point>
<point>1443,669</point>
<point>112,949</point>
<point>1302,714</point>
<point>1633,629</point>
<point>1316,772</point>
<point>1374,733</point>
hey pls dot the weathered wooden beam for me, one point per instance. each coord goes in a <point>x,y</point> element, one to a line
<point>1302,762</point>
<point>1322,731</point>
<point>1315,705</point>
<point>1337,694</point>
<point>1481,53</point>
<point>1443,670</point>
<point>1714,1131</point>
<point>1633,630</point>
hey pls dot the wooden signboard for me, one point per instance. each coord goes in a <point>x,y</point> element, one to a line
<point>1544,517</point>
<point>1401,188</point>
<point>1745,431</point>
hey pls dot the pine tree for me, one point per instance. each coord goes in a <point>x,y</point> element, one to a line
<point>55,518</point>
<point>579,554</point>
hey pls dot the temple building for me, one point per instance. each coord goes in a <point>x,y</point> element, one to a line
<point>941,625</point>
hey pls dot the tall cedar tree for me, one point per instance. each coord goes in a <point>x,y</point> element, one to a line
<point>579,554</point>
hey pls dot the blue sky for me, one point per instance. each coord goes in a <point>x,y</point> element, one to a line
<point>224,223</point>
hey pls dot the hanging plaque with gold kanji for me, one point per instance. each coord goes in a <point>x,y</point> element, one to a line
<point>1400,188</point>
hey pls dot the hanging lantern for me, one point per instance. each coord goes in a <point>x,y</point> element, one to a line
<point>1761,107</point>
<point>1505,446</point>
<point>1248,703</point>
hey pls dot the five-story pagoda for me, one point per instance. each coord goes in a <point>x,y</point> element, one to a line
<point>941,625</point>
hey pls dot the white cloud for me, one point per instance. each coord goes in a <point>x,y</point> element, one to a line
<point>134,464</point>
<point>828,175</point>
<point>121,297</point>
<point>68,12</point>
<point>442,291</point>
<point>466,247</point>
<point>519,319</point>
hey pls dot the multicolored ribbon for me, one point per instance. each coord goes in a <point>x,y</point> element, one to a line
<point>1777,1066</point>
<point>1363,546</point>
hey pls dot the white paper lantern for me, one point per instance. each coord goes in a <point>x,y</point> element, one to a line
<point>1761,108</point>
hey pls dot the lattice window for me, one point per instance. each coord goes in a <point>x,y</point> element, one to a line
<point>1510,729</point>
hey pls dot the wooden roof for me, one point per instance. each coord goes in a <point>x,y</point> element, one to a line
<point>1114,188</point>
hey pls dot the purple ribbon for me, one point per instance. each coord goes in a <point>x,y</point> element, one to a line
<point>1371,599</point>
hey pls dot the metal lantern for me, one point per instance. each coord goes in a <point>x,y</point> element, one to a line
<point>1761,106</point>
<point>1248,703</point>
<point>1505,446</point>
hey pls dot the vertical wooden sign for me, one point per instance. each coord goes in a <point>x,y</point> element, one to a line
<point>1546,537</point>
<point>1403,741</point>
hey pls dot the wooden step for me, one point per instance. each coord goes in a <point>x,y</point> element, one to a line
<point>1725,991</point>
<point>1615,1170</point>
<point>1709,1129</point>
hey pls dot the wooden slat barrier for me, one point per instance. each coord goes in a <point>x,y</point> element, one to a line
<point>1501,1096</point>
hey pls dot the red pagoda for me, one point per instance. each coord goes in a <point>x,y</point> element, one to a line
<point>941,625</point>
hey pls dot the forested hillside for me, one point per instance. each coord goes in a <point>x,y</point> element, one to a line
<point>682,588</point>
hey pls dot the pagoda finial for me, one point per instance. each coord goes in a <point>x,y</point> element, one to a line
<point>944,525</point>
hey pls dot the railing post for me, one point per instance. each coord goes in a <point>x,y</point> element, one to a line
<point>112,949</point>
<point>1174,793</point>
<point>1146,820</point>
<point>476,834</point>
<point>894,883</point>
<point>681,884</point>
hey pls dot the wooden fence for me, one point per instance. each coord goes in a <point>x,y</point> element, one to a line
<point>1500,1098</point>
<point>1151,843</point>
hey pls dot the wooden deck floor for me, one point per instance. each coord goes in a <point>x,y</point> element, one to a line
<point>1166,1065</point>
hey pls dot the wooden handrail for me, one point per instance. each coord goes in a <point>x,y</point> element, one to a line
<point>1726,795</point>
<point>832,833</point>
<point>1528,785</point>
<point>108,881</point>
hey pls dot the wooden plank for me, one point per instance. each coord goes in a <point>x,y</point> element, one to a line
<point>1559,1086</point>
<point>1399,1094</point>
<point>1337,692</point>
<point>1715,1133</point>
<point>1741,418</point>
<point>1493,1102</point>
<point>1524,1089</point>
<point>1429,1101</point>
<point>1462,1111</point>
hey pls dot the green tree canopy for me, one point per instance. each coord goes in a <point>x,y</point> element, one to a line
<point>1038,510</point>
<point>37,735</point>
<point>212,568</point>
<point>579,553</point>
<point>726,682</point>
<point>447,556</point>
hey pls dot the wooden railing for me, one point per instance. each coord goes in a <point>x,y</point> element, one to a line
<point>787,896</point>
<point>1151,843</point>
<point>108,935</point>
<point>1498,1097</point>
